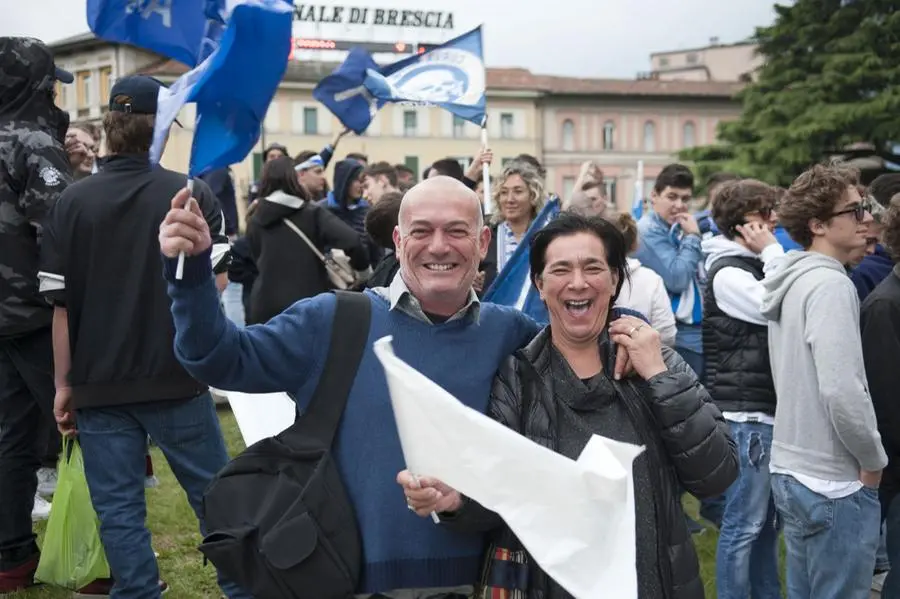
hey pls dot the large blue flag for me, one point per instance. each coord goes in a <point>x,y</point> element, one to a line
<point>513,287</point>
<point>451,76</point>
<point>232,88</point>
<point>174,28</point>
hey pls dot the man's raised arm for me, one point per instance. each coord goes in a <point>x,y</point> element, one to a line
<point>276,356</point>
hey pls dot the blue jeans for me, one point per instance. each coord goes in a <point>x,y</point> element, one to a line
<point>747,555</point>
<point>891,588</point>
<point>114,443</point>
<point>831,543</point>
<point>233,303</point>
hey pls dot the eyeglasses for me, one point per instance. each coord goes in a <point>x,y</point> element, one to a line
<point>858,211</point>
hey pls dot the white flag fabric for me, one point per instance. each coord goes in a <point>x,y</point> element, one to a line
<point>261,415</point>
<point>576,518</point>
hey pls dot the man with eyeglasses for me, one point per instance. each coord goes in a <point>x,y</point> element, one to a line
<point>827,455</point>
<point>739,379</point>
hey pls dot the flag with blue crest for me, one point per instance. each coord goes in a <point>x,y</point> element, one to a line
<point>451,76</point>
<point>232,88</point>
<point>177,29</point>
<point>513,287</point>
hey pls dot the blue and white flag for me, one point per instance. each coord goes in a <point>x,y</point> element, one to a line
<point>451,76</point>
<point>345,95</point>
<point>232,88</point>
<point>513,287</point>
<point>637,205</point>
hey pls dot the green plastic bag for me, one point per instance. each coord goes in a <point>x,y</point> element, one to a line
<point>72,555</point>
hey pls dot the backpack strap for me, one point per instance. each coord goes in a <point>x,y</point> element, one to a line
<point>349,333</point>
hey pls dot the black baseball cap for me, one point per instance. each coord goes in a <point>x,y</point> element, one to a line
<point>138,94</point>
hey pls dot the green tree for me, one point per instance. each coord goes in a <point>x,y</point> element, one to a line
<point>831,78</point>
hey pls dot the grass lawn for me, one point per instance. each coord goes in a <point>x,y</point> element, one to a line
<point>175,535</point>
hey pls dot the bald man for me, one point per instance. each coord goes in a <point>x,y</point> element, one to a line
<point>438,326</point>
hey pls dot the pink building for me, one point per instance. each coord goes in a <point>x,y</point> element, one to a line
<point>616,123</point>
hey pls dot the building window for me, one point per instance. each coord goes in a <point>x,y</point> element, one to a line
<point>83,89</point>
<point>412,163</point>
<point>568,188</point>
<point>310,120</point>
<point>105,76</point>
<point>459,127</point>
<point>506,126</point>
<point>568,135</point>
<point>610,185</point>
<point>692,58</point>
<point>663,62</point>
<point>689,135</point>
<point>410,123</point>
<point>61,100</point>
<point>649,136</point>
<point>609,133</point>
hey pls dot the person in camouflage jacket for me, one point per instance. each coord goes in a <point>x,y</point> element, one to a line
<point>34,170</point>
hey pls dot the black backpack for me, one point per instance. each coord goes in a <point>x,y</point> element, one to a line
<point>277,517</point>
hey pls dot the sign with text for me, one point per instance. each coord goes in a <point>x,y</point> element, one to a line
<point>378,17</point>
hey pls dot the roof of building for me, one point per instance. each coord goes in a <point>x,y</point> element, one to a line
<point>517,79</point>
<point>75,42</point>
<point>702,48</point>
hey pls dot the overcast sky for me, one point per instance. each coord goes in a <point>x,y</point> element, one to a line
<point>588,38</point>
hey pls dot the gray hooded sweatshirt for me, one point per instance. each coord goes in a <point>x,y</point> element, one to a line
<point>824,421</point>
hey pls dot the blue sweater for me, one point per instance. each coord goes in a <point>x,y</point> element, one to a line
<point>400,549</point>
<point>871,271</point>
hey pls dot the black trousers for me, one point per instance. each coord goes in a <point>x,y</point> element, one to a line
<point>26,413</point>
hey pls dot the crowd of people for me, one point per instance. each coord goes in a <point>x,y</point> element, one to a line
<point>748,349</point>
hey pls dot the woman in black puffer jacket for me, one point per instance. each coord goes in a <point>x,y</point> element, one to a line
<point>560,390</point>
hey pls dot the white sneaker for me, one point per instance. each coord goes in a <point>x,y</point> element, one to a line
<point>41,509</point>
<point>46,482</point>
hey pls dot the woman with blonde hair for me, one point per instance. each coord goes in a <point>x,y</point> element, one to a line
<point>517,198</point>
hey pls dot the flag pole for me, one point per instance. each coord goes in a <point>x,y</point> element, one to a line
<point>485,168</point>
<point>179,271</point>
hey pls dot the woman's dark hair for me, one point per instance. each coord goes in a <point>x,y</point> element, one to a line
<point>382,218</point>
<point>568,223</point>
<point>279,175</point>
<point>628,226</point>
